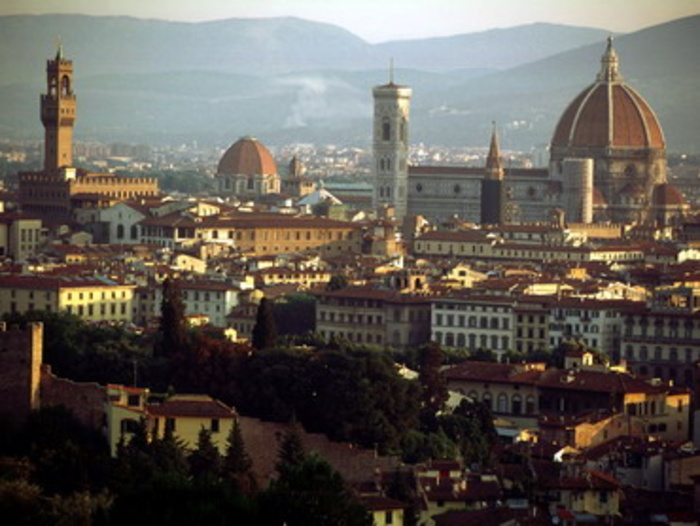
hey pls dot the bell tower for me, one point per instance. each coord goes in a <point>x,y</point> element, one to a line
<point>58,113</point>
<point>390,146</point>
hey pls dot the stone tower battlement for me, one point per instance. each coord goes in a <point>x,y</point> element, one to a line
<point>21,355</point>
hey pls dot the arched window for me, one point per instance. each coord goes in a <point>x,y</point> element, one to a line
<point>643,353</point>
<point>461,340</point>
<point>629,352</point>
<point>450,339</point>
<point>487,401</point>
<point>530,405</point>
<point>516,404</point>
<point>65,85</point>
<point>386,130</point>
<point>134,232</point>
<point>120,231</point>
<point>502,403</point>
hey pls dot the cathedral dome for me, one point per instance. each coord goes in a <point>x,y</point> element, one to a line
<point>247,156</point>
<point>608,114</point>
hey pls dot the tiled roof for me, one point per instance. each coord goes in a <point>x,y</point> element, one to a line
<point>191,406</point>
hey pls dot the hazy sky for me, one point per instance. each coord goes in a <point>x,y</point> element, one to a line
<point>381,20</point>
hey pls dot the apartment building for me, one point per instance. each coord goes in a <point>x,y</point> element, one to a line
<point>375,317</point>
<point>92,298</point>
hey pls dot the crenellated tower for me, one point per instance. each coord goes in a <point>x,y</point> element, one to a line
<point>58,107</point>
<point>390,147</point>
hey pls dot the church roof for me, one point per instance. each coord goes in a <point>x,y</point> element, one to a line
<point>247,156</point>
<point>667,194</point>
<point>609,113</point>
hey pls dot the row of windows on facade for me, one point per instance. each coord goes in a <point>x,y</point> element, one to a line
<point>89,310</point>
<point>368,319</point>
<point>482,322</point>
<point>30,234</point>
<point>672,374</point>
<point>249,183</point>
<point>239,235</point>
<point>513,406</point>
<point>473,341</point>
<point>671,355</point>
<point>205,296</point>
<point>355,337</point>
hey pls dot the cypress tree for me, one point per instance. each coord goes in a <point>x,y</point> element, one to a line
<point>265,330</point>
<point>173,326</point>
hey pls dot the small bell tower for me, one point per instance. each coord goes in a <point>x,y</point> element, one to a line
<point>58,107</point>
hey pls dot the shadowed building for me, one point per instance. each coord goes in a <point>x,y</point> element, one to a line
<point>493,189</point>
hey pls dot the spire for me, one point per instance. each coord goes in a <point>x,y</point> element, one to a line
<point>59,49</point>
<point>493,160</point>
<point>609,64</point>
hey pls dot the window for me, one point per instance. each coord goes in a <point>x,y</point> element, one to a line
<point>389,517</point>
<point>215,426</point>
<point>170,424</point>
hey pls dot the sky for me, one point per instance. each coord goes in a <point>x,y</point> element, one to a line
<point>383,20</point>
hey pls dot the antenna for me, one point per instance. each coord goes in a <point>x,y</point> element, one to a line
<point>391,70</point>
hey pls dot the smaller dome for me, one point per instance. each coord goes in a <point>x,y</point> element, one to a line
<point>667,195</point>
<point>247,156</point>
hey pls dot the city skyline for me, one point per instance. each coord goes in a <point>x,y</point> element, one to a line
<point>369,20</point>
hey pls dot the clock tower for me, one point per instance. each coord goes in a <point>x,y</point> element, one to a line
<point>390,147</point>
<point>58,113</point>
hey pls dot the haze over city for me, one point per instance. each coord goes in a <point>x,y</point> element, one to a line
<point>379,21</point>
<point>252,274</point>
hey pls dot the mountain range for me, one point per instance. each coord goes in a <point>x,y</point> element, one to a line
<point>292,80</point>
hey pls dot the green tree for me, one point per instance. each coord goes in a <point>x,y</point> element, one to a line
<point>291,451</point>
<point>237,466</point>
<point>337,282</point>
<point>295,314</point>
<point>311,493</point>
<point>173,325</point>
<point>205,461</point>
<point>265,330</point>
<point>432,381</point>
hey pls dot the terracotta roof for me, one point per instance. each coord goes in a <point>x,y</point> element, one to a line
<point>192,406</point>
<point>247,156</point>
<point>608,113</point>
<point>379,503</point>
<point>667,194</point>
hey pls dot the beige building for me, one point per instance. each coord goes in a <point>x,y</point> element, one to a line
<point>21,236</point>
<point>91,298</point>
<point>185,415</point>
<point>375,317</point>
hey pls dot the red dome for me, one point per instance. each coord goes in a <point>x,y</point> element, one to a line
<point>609,113</point>
<point>247,156</point>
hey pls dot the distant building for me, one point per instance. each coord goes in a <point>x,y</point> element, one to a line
<point>54,192</point>
<point>607,163</point>
<point>247,170</point>
<point>91,298</point>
